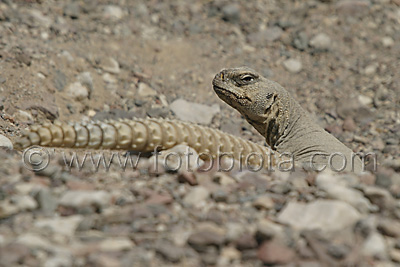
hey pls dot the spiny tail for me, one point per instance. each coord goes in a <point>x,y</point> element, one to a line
<point>140,135</point>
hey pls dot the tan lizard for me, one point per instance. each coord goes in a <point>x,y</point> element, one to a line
<point>286,126</point>
<point>264,103</point>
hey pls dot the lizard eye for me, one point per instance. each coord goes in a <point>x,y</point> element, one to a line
<point>247,78</point>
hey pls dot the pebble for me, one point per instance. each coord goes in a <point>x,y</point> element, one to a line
<point>24,202</point>
<point>395,255</point>
<point>293,65</point>
<point>389,227</point>
<point>206,234</point>
<point>72,10</point>
<point>274,253</point>
<point>77,91</point>
<point>194,112</point>
<point>349,125</point>
<point>380,197</point>
<point>329,183</point>
<point>352,7</point>
<point>375,246</point>
<point>5,142</point>
<point>328,215</point>
<point>113,12</point>
<point>110,65</point>
<point>65,226</point>
<point>60,80</point>
<point>300,41</point>
<point>169,251</point>
<point>47,202</point>
<point>197,196</point>
<point>231,13</point>
<point>85,78</point>
<point>144,90</point>
<point>321,42</point>
<point>264,202</point>
<point>33,241</point>
<point>352,107</point>
<point>387,41</point>
<point>264,37</point>
<point>116,244</point>
<point>81,198</point>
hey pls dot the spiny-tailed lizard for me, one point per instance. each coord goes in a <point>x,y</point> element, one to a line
<point>265,104</point>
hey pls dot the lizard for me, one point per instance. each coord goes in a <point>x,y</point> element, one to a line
<point>286,126</point>
<point>265,104</point>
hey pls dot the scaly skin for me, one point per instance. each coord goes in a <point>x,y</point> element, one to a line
<point>280,119</point>
<point>143,135</point>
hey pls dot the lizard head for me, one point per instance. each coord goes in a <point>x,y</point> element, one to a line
<point>258,99</point>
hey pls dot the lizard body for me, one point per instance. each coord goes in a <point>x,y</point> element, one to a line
<point>281,120</point>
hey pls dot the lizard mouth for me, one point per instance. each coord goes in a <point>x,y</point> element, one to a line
<point>222,91</point>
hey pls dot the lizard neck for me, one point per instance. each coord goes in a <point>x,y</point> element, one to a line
<point>277,120</point>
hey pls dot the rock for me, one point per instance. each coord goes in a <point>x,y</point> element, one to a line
<point>169,251</point>
<point>116,244</point>
<point>39,19</point>
<point>33,241</point>
<point>321,42</point>
<point>108,78</point>
<point>60,80</point>
<point>47,202</point>
<point>380,197</point>
<point>374,246</point>
<point>352,107</point>
<point>338,251</point>
<point>389,227</point>
<point>395,255</point>
<point>246,241</point>
<point>264,37</point>
<point>7,209</point>
<point>268,230</point>
<point>72,10</point>
<point>264,202</point>
<point>228,255</point>
<point>274,253</point>
<point>349,125</point>
<point>197,196</point>
<point>145,90</point>
<point>334,189</point>
<point>5,142</point>
<point>370,69</point>
<point>293,65</point>
<point>353,7</point>
<point>300,41</point>
<point>85,78</point>
<point>13,254</point>
<point>161,199</point>
<point>387,42</point>
<point>77,91</point>
<point>234,231</point>
<point>206,234</point>
<point>81,198</point>
<point>24,202</point>
<point>63,225</point>
<point>113,12</point>
<point>231,13</point>
<point>194,112</point>
<point>365,100</point>
<point>110,65</point>
<point>328,215</point>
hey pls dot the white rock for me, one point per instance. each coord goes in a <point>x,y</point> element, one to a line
<point>110,65</point>
<point>365,100</point>
<point>5,142</point>
<point>321,41</point>
<point>326,215</point>
<point>82,198</point>
<point>194,112</point>
<point>85,78</point>
<point>64,225</point>
<point>33,240</point>
<point>370,69</point>
<point>109,78</point>
<point>335,189</point>
<point>196,196</point>
<point>116,244</point>
<point>292,65</point>
<point>264,202</point>
<point>113,12</point>
<point>77,91</point>
<point>387,41</point>
<point>23,116</point>
<point>375,246</point>
<point>24,202</point>
<point>145,90</point>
